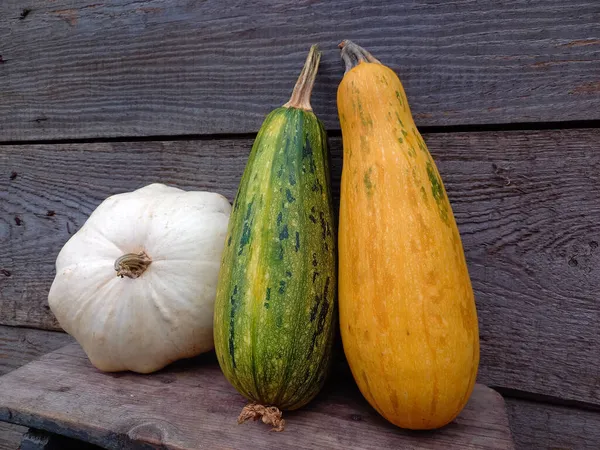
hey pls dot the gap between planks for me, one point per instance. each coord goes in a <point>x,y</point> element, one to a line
<point>478,128</point>
<point>544,399</point>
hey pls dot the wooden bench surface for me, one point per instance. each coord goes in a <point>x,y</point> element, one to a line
<point>190,405</point>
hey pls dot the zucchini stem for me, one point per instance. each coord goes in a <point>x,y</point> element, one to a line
<point>270,415</point>
<point>302,91</point>
<point>353,54</point>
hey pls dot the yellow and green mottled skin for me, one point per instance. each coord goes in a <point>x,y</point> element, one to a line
<point>408,317</point>
<point>275,305</point>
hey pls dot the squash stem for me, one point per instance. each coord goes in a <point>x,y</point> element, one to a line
<point>353,55</point>
<point>132,265</point>
<point>270,415</point>
<point>302,91</point>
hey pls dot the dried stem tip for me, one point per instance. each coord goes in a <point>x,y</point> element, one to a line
<point>353,54</point>
<point>302,91</point>
<point>270,415</point>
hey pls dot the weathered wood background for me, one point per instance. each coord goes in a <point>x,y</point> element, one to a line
<point>76,69</point>
<point>99,98</point>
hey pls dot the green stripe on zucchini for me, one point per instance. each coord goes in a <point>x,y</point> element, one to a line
<point>275,306</point>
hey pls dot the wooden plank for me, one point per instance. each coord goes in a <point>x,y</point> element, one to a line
<point>528,208</point>
<point>10,436</point>
<point>53,192</point>
<point>13,437</point>
<point>18,346</point>
<point>541,426</point>
<point>48,200</point>
<point>191,405</point>
<point>165,67</point>
<point>528,216</point>
<point>41,440</point>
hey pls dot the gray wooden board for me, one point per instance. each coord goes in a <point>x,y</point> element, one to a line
<point>527,205</point>
<point>42,440</point>
<point>539,426</point>
<point>190,405</point>
<point>19,346</point>
<point>10,436</point>
<point>533,425</point>
<point>168,67</point>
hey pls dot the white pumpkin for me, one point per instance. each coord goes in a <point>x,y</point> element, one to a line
<point>136,285</point>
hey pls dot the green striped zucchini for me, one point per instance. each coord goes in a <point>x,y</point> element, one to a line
<point>275,305</point>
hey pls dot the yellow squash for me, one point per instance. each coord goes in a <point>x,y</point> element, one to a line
<point>407,312</point>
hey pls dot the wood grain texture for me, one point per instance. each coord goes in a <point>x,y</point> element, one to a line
<point>157,67</point>
<point>10,436</point>
<point>538,426</point>
<point>527,205</point>
<point>191,405</point>
<point>528,209</point>
<point>18,346</point>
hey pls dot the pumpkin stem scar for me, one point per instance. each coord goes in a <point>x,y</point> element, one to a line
<point>302,91</point>
<point>132,265</point>
<point>270,415</point>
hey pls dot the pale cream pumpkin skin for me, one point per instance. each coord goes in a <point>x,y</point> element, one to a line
<point>144,323</point>
<point>407,311</point>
